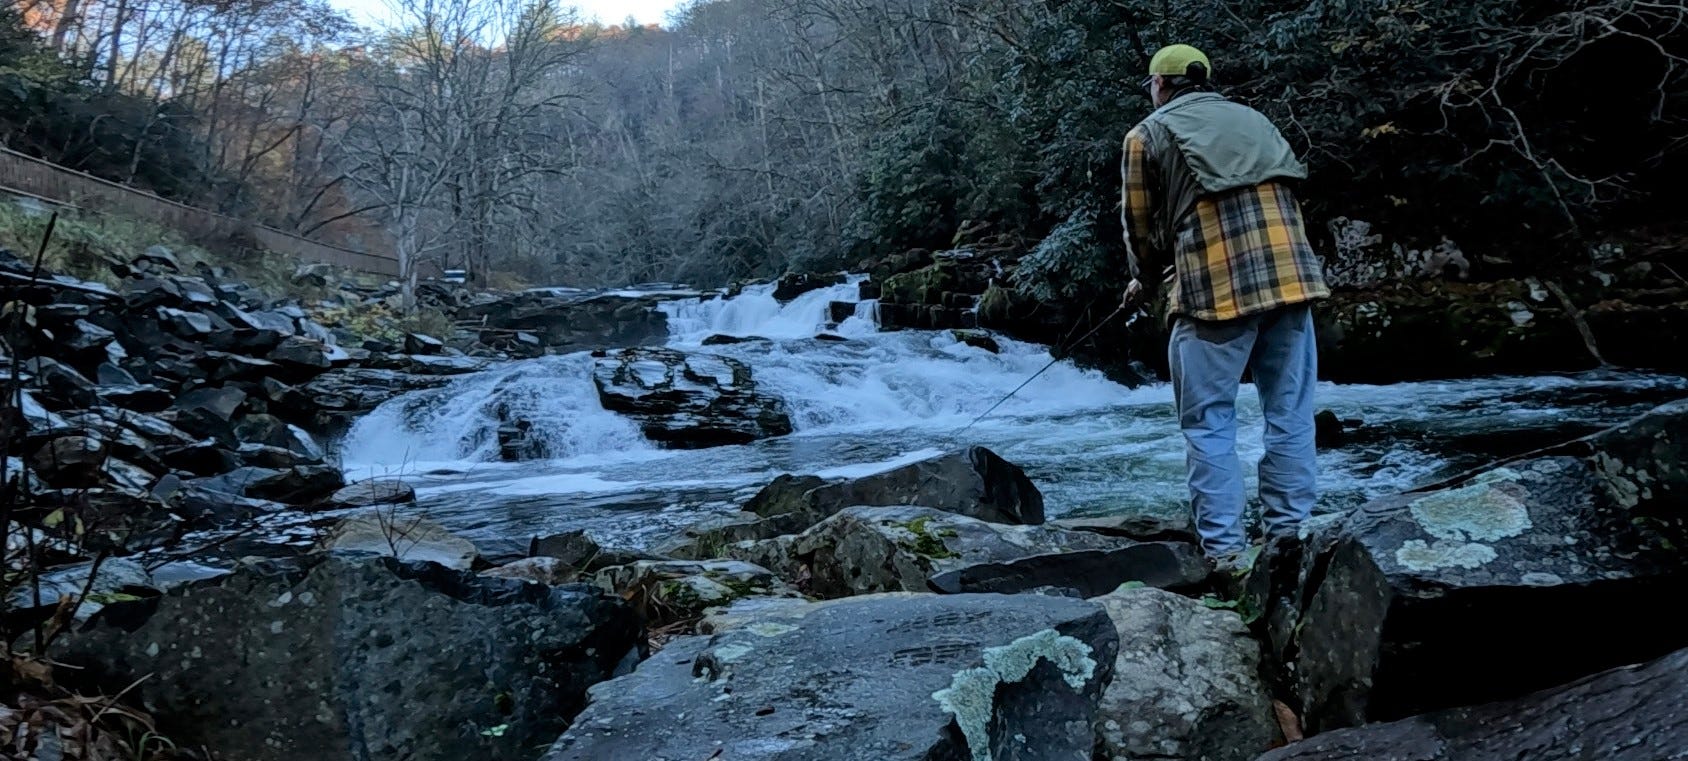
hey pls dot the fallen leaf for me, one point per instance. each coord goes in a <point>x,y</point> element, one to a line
<point>1288,722</point>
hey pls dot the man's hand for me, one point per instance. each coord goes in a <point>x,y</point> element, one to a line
<point>1133,294</point>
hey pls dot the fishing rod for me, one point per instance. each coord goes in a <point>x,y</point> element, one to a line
<point>1058,357</point>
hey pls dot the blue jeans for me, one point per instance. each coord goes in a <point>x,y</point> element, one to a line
<point>1207,361</point>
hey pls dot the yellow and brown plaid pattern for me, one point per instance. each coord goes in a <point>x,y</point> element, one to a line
<point>1237,253</point>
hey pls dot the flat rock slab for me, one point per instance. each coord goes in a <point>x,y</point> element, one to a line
<point>1163,565</point>
<point>1629,714</point>
<point>368,659</point>
<point>884,678</point>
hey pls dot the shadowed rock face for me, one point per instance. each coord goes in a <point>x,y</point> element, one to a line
<point>360,658</point>
<point>688,401</point>
<point>885,678</point>
<point>1537,572</point>
<point>1628,714</point>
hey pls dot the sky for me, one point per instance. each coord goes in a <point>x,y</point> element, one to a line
<point>608,11</point>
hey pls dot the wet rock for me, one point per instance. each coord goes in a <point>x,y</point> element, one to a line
<point>579,550</point>
<point>220,403</point>
<point>840,311</point>
<point>1627,714</point>
<point>974,482</point>
<point>346,659</point>
<point>1186,683</point>
<point>149,292</point>
<point>418,343</point>
<point>1457,595</point>
<point>200,458</point>
<point>798,283</point>
<point>407,538</point>
<point>830,337</point>
<point>1175,527</point>
<point>376,491</point>
<point>293,486</point>
<point>725,340</point>
<point>223,366</point>
<point>667,591</point>
<point>862,550</point>
<point>688,401</point>
<point>978,340</point>
<point>84,336</point>
<point>61,385</point>
<point>113,579</point>
<point>266,456</point>
<point>190,325</point>
<point>158,257</point>
<point>137,397</point>
<point>893,678</point>
<point>300,352</point>
<point>70,460</point>
<point>548,571</point>
<point>1163,565</point>
<point>273,431</point>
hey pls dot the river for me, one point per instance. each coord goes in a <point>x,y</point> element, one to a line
<point>880,399</point>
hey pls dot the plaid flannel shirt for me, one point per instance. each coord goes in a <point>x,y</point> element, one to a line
<point>1238,253</point>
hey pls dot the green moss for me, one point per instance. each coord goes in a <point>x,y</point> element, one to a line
<point>927,543</point>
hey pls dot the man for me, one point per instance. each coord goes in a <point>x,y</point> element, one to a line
<point>1207,200</point>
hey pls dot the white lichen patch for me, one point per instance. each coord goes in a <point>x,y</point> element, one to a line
<point>972,692</point>
<point>1624,483</point>
<point>1481,511</point>
<point>729,653</point>
<point>1417,555</point>
<point>770,629</point>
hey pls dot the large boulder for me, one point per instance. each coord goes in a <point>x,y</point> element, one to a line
<point>688,401</point>
<point>1539,571</point>
<point>1628,714</point>
<point>893,678</point>
<point>374,491</point>
<point>1163,565</point>
<point>1187,683</point>
<point>861,550</point>
<point>356,659</point>
<point>974,482</point>
<point>295,486</point>
<point>407,538</point>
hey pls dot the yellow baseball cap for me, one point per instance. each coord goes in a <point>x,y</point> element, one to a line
<point>1175,60</point>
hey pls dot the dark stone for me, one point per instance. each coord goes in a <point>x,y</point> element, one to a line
<point>833,337</point>
<point>723,340</point>
<point>975,482</point>
<point>855,681</point>
<point>193,326</point>
<point>688,401</point>
<point>1328,430</point>
<point>293,486</point>
<point>1163,565</point>
<point>798,283</point>
<point>1178,527</point>
<point>204,458</point>
<point>353,659</point>
<point>867,290</point>
<point>220,403</point>
<point>1627,714</point>
<point>158,257</point>
<point>379,491</point>
<point>840,311</point>
<point>68,461</point>
<point>140,398</point>
<point>580,551</point>
<point>266,456</point>
<point>417,343</point>
<point>301,352</point>
<point>84,336</point>
<point>1457,594</point>
<point>570,321</point>
<point>224,366</point>
<point>108,374</point>
<point>60,385</point>
<point>150,292</point>
<point>978,340</point>
<point>272,431</point>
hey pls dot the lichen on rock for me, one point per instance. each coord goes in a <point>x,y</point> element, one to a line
<point>972,692</point>
<point>1485,510</point>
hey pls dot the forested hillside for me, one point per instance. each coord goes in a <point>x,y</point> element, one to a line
<point>752,137</point>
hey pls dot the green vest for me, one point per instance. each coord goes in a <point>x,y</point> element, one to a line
<point>1201,144</point>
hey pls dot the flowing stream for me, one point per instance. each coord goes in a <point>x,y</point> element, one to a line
<point>881,399</point>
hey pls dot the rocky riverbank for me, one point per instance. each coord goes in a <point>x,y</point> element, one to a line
<point>929,610</point>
